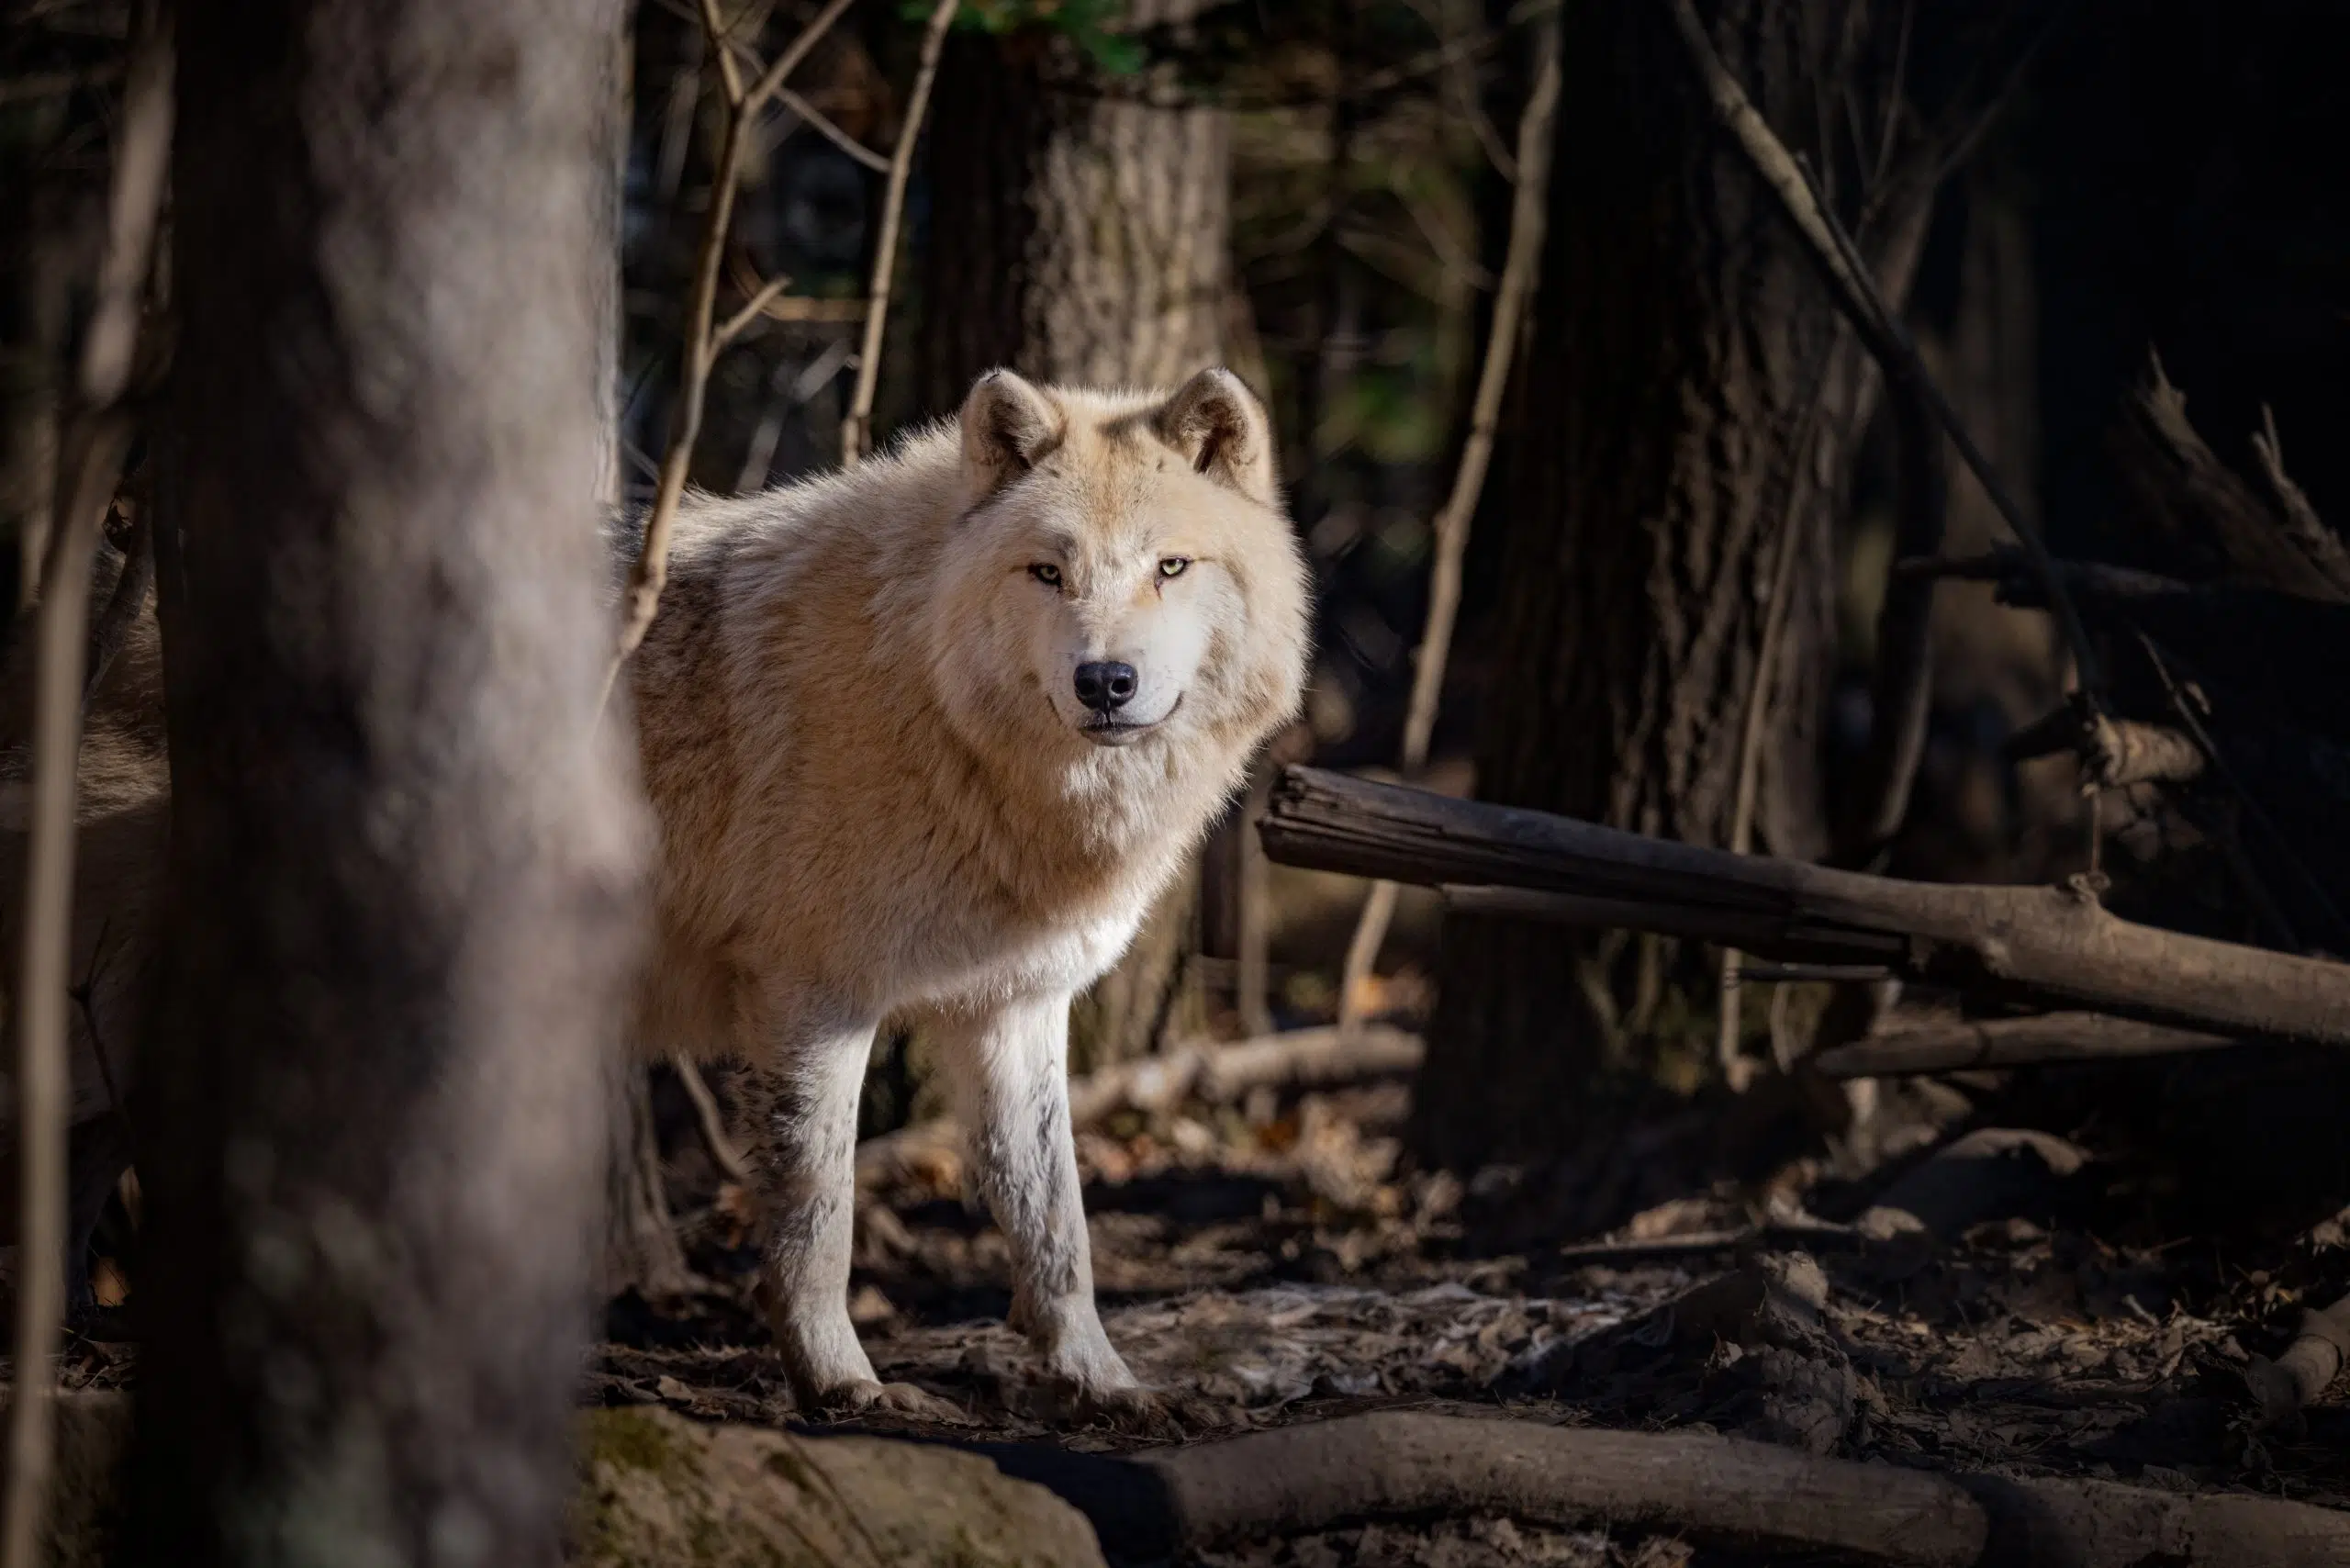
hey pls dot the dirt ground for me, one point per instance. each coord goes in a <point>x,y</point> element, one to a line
<point>1708,1262</point>
<point>1277,1265</point>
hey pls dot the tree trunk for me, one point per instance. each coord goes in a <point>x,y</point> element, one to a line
<point>401,860</point>
<point>1662,446</point>
<point>1080,234</point>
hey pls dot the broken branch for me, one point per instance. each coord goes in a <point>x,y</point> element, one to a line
<point>2046,945</point>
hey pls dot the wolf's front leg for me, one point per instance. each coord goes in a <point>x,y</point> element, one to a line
<point>1011,1072</point>
<point>804,1099</point>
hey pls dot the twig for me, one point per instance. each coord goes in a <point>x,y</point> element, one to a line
<point>824,126</point>
<point>713,1126</point>
<point>1529,212</point>
<point>101,439</point>
<point>651,572</point>
<point>1815,1236</point>
<point>757,305</point>
<point>821,123</point>
<point>1879,327</point>
<point>856,431</point>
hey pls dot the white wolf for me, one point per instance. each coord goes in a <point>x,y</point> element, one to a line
<point>926,738</point>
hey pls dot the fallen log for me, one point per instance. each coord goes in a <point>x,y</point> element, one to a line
<point>1216,1074</point>
<point>1963,1044</point>
<point>1222,1074</point>
<point>2045,946</point>
<point>1387,1465</point>
<point>1718,1491</point>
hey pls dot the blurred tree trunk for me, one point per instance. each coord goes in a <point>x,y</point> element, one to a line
<point>1652,462</point>
<point>1080,234</point>
<point>400,865</point>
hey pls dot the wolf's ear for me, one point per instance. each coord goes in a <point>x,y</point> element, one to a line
<point>1008,427</point>
<point>1216,422</point>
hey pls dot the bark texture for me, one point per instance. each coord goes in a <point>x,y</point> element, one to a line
<point>401,863</point>
<point>1663,444</point>
<point>1081,232</point>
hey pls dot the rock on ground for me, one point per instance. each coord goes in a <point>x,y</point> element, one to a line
<point>663,1490</point>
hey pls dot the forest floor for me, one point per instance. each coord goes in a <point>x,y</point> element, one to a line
<point>1285,1267</point>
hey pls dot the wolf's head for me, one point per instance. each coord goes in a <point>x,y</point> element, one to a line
<point>1123,573</point>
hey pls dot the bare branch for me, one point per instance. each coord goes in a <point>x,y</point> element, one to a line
<point>650,573</point>
<point>1521,268</point>
<point>822,124</point>
<point>856,431</point>
<point>99,438</point>
<point>753,309</point>
<point>713,1126</point>
<point>730,75</point>
<point>768,84</point>
<point>2113,753</point>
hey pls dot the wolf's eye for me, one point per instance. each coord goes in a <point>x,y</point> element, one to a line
<point>1046,574</point>
<point>1173,565</point>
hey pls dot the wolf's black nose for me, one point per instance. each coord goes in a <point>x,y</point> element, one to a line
<point>1105,686</point>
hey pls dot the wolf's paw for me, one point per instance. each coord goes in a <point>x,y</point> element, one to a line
<point>866,1397</point>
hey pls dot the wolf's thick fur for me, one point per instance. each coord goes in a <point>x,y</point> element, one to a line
<point>879,793</point>
<point>882,794</point>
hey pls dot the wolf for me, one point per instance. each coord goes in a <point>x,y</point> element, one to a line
<point>924,740</point>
